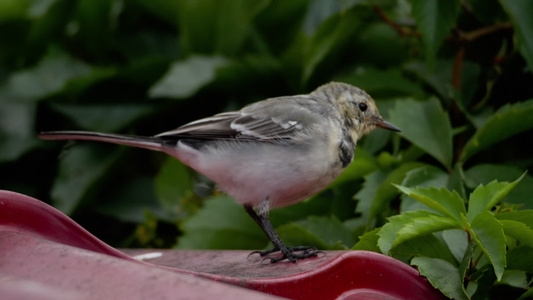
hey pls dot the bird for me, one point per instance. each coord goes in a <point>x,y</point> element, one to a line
<point>270,154</point>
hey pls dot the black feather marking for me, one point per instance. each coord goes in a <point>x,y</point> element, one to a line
<point>346,148</point>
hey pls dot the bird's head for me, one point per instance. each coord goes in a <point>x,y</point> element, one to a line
<point>358,110</point>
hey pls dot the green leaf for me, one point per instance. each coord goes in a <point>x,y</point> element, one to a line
<point>423,226</point>
<point>483,198</point>
<point>12,10</point>
<point>79,170</point>
<point>489,236</point>
<point>520,13</point>
<point>426,245</point>
<point>17,135</point>
<point>295,235</point>
<point>93,28</point>
<point>441,200</point>
<point>378,191</point>
<point>279,23</point>
<point>331,37</point>
<point>457,242</point>
<point>381,84</point>
<point>389,232</point>
<point>315,205</point>
<point>523,216</point>
<point>185,78</point>
<point>50,17</point>
<point>514,278</point>
<point>438,78</point>
<point>368,241</point>
<point>375,142</point>
<point>366,195</point>
<point>385,191</point>
<point>456,180</point>
<point>216,27</point>
<point>508,121</point>
<point>485,173</point>
<point>422,177</point>
<point>131,200</point>
<point>260,71</point>
<point>49,76</point>
<point>329,231</point>
<point>481,280</point>
<point>380,45</point>
<point>434,19</point>
<point>104,117</point>
<point>466,261</point>
<point>426,125</point>
<point>173,185</point>
<point>520,258</point>
<point>321,10</point>
<point>527,295</point>
<point>442,275</point>
<point>518,231</point>
<point>221,224</point>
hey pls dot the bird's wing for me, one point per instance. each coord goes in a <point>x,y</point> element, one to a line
<point>215,127</point>
<point>273,119</point>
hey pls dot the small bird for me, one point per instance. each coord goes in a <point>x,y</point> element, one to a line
<point>269,154</point>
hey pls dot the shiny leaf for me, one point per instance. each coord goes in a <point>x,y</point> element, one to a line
<point>104,117</point>
<point>173,185</point>
<point>520,13</point>
<point>423,226</point>
<point>441,200</point>
<point>389,232</point>
<point>184,78</point>
<point>442,275</point>
<point>508,121</point>
<point>519,231</point>
<point>485,197</point>
<point>80,168</point>
<point>483,174</point>
<point>488,234</point>
<point>216,26</point>
<point>330,233</point>
<point>434,19</point>
<point>426,125</point>
<point>49,76</point>
<point>221,224</point>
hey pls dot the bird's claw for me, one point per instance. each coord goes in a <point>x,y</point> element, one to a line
<point>289,253</point>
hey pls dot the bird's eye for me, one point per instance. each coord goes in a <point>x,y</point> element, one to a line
<point>362,106</point>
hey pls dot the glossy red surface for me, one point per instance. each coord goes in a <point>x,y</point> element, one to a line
<point>44,254</point>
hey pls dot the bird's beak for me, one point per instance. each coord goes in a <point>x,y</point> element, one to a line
<point>379,122</point>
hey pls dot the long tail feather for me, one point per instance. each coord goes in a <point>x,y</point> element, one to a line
<point>152,143</point>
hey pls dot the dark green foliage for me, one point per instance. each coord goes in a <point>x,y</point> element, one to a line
<point>449,194</point>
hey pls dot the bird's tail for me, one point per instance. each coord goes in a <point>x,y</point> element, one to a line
<point>152,143</point>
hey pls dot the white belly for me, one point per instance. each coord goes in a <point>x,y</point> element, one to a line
<point>258,171</point>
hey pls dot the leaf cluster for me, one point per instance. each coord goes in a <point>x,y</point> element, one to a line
<point>448,194</point>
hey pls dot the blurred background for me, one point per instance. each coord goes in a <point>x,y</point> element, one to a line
<point>455,77</point>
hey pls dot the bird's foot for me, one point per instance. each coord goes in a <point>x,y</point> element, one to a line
<point>302,252</point>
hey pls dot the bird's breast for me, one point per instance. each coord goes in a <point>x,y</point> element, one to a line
<point>252,171</point>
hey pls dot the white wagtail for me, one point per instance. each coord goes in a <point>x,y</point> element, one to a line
<point>271,153</point>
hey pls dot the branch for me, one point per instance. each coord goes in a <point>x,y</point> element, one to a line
<point>463,39</point>
<point>399,29</point>
<point>471,36</point>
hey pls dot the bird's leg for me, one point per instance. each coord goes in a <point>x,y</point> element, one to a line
<point>261,218</point>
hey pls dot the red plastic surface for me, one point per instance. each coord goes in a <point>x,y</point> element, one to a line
<point>43,250</point>
<point>53,269</point>
<point>20,213</point>
<point>334,275</point>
